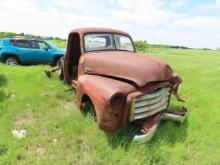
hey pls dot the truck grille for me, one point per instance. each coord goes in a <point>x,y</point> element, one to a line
<point>149,104</point>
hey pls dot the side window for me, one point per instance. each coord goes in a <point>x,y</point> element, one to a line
<point>34,45</point>
<point>20,43</point>
<point>42,45</point>
<point>1,43</point>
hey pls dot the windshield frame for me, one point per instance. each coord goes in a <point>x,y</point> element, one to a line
<point>114,44</point>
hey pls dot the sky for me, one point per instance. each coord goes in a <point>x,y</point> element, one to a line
<point>192,23</point>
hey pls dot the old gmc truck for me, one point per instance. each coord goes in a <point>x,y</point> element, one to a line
<point>122,85</point>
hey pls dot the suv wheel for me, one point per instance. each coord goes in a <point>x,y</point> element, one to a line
<point>12,61</point>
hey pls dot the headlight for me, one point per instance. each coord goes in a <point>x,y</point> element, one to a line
<point>116,99</point>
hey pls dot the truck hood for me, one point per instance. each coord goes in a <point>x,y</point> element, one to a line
<point>134,67</point>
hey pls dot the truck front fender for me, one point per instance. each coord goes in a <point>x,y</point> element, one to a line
<point>100,91</point>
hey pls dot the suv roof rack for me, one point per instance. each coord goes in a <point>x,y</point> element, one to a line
<point>33,39</point>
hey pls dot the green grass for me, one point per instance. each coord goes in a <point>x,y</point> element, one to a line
<point>31,101</point>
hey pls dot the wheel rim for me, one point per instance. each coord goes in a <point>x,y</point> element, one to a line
<point>11,61</point>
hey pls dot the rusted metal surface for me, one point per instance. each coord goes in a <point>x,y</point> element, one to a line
<point>123,86</point>
<point>101,89</point>
<point>127,65</point>
<point>85,30</point>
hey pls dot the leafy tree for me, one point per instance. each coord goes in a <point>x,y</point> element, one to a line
<point>141,46</point>
<point>7,34</point>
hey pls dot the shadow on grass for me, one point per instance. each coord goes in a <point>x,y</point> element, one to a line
<point>3,82</point>
<point>124,136</point>
<point>3,150</point>
<point>3,96</point>
<point>172,132</point>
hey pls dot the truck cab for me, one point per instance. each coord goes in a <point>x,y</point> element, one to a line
<point>122,85</point>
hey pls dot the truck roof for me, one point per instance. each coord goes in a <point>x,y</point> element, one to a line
<point>97,30</point>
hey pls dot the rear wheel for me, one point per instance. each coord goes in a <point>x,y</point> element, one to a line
<point>12,61</point>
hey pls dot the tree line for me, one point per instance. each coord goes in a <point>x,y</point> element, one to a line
<point>23,35</point>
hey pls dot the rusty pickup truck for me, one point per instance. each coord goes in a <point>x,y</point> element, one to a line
<point>122,85</point>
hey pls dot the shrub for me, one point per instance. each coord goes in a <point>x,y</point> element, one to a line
<point>140,46</point>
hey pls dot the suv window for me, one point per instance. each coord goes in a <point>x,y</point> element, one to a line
<point>42,45</point>
<point>38,45</point>
<point>20,43</point>
<point>34,45</point>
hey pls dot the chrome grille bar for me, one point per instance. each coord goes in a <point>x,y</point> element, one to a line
<point>149,104</point>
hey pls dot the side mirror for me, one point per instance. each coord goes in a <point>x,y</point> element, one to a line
<point>45,48</point>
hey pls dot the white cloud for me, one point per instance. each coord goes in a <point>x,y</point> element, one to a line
<point>177,4</point>
<point>70,4</point>
<point>149,20</point>
<point>208,7</point>
<point>141,12</point>
<point>25,16</point>
<point>21,5</point>
<point>198,22</point>
<point>217,2</point>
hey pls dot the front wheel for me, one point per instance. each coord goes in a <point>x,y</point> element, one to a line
<point>88,108</point>
<point>12,61</point>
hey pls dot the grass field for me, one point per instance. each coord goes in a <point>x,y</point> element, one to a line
<point>57,133</point>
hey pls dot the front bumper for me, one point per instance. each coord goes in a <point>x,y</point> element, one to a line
<point>150,126</point>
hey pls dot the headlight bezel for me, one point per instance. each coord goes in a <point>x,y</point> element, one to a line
<point>116,99</point>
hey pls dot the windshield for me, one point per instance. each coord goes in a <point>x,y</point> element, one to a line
<point>102,41</point>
